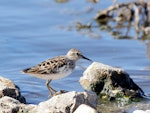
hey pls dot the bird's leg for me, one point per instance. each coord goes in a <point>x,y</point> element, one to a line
<point>53,92</point>
<point>50,88</point>
<point>53,89</point>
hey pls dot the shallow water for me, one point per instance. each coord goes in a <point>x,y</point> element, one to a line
<point>33,31</point>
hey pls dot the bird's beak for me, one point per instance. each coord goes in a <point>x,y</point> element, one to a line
<point>86,58</point>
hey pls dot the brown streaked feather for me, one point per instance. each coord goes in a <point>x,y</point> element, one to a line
<point>49,66</point>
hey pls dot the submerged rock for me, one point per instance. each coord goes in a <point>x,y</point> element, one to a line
<point>110,83</point>
<point>8,88</point>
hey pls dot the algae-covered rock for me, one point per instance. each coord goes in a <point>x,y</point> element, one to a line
<point>110,83</point>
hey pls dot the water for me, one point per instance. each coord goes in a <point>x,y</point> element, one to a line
<point>33,31</point>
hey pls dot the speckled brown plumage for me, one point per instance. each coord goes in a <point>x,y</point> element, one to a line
<point>56,68</point>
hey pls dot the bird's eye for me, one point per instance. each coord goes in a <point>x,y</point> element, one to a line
<point>78,54</point>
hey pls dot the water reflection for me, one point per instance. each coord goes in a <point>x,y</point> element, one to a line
<point>61,1</point>
<point>148,48</point>
<point>148,52</point>
<point>123,21</point>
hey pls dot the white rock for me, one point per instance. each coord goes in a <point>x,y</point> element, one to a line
<point>67,102</point>
<point>147,111</point>
<point>8,104</point>
<point>110,82</point>
<point>139,111</point>
<point>93,73</point>
<point>5,83</point>
<point>83,108</point>
<point>11,105</point>
<point>147,30</point>
<point>63,103</point>
<point>8,88</point>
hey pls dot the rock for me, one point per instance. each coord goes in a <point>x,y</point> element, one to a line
<point>67,102</point>
<point>8,88</point>
<point>144,106</point>
<point>109,82</point>
<point>63,103</point>
<point>11,105</point>
<point>147,30</point>
<point>141,111</point>
<point>147,111</point>
<point>8,105</point>
<point>83,108</point>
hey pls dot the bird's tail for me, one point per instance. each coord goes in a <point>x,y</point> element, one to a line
<point>25,70</point>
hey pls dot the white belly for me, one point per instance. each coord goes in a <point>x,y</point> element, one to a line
<point>59,75</point>
<point>56,76</point>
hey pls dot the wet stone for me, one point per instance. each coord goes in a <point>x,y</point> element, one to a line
<point>8,88</point>
<point>110,83</point>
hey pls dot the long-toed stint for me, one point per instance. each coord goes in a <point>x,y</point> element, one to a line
<point>56,68</point>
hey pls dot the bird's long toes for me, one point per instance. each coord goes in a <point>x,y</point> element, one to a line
<point>60,92</point>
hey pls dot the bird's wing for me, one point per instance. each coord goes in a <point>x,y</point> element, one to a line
<point>50,66</point>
